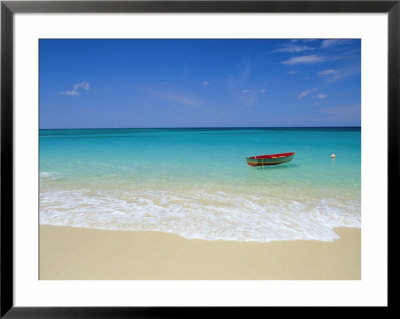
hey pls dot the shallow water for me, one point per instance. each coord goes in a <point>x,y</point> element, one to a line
<point>196,183</point>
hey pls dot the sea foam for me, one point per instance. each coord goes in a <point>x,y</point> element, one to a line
<point>200,214</point>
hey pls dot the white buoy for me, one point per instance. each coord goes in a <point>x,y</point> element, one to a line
<point>333,155</point>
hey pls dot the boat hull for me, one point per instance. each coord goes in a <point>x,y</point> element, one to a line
<point>266,160</point>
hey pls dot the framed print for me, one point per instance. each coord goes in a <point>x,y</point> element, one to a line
<point>173,158</point>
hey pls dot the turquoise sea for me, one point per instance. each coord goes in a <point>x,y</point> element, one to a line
<point>196,183</point>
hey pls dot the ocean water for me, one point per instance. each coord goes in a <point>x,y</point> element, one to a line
<point>196,183</point>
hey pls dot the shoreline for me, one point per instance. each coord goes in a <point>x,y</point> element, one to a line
<point>68,253</point>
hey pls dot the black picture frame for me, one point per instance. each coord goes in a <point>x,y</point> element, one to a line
<point>9,8</point>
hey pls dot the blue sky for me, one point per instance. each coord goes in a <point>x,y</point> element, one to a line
<point>199,83</point>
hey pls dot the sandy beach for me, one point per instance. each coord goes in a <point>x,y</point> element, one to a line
<point>79,254</point>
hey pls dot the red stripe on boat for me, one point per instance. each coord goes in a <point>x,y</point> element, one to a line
<point>271,155</point>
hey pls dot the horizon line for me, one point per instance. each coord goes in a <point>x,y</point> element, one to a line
<point>198,127</point>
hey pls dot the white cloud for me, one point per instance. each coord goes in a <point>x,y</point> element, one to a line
<point>328,72</point>
<point>293,48</point>
<point>254,91</point>
<point>205,83</point>
<point>75,91</point>
<point>321,96</point>
<point>346,72</point>
<point>72,92</point>
<point>305,93</point>
<point>331,43</point>
<point>84,85</point>
<point>304,59</point>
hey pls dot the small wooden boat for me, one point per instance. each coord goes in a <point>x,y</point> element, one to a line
<point>272,159</point>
